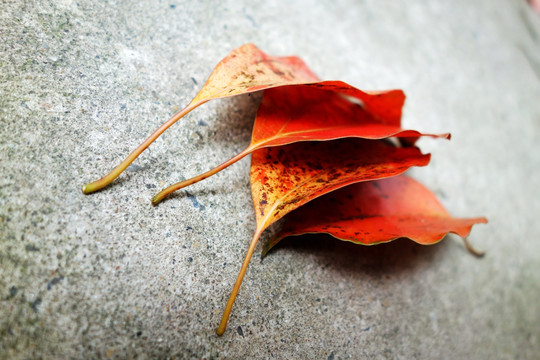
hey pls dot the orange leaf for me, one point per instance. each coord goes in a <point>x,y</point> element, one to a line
<point>286,177</point>
<point>318,112</point>
<point>377,211</point>
<point>321,112</point>
<point>246,69</point>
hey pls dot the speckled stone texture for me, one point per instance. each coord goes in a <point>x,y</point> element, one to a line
<point>82,83</point>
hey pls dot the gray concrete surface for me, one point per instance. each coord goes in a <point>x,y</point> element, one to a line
<point>109,276</point>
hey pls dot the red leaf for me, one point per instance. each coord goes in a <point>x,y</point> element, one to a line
<point>377,211</point>
<point>321,112</point>
<point>312,112</point>
<point>286,177</point>
<point>286,174</point>
<point>248,69</point>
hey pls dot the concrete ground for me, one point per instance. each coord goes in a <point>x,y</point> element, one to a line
<point>82,83</point>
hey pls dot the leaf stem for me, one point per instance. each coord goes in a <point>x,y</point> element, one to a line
<point>167,191</point>
<point>227,312</point>
<point>107,179</point>
<point>471,249</point>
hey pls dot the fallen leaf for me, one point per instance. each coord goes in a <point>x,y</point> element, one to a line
<point>289,169</point>
<point>321,112</point>
<point>318,112</point>
<point>377,211</point>
<point>246,69</point>
<point>284,178</point>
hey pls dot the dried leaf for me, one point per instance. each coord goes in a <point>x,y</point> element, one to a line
<point>246,69</point>
<point>286,177</point>
<point>377,211</point>
<point>318,112</point>
<point>321,112</point>
<point>289,169</point>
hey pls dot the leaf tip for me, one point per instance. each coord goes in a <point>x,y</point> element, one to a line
<point>472,250</point>
<point>270,244</point>
<point>265,251</point>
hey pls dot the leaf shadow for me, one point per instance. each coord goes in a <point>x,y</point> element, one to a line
<point>396,257</point>
<point>235,118</point>
<point>221,133</point>
<point>202,192</point>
